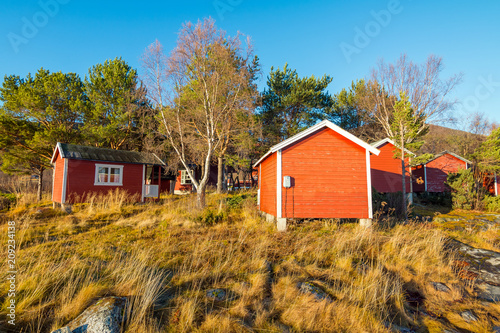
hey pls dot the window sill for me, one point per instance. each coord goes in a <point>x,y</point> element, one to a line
<point>108,184</point>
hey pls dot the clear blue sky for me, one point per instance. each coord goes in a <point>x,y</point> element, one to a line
<point>75,35</point>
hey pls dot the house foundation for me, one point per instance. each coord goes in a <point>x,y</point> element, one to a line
<point>367,223</point>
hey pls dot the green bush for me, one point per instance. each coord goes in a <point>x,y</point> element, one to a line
<point>236,200</point>
<point>464,193</point>
<point>492,204</point>
<point>210,217</point>
<point>7,200</point>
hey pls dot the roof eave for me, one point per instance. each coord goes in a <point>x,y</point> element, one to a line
<point>262,158</point>
<point>320,125</point>
<point>57,147</point>
<point>387,140</point>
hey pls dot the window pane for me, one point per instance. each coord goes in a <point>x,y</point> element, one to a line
<point>115,175</point>
<point>103,175</point>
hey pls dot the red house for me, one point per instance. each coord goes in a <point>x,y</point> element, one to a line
<point>184,185</point>
<point>322,172</point>
<point>387,170</point>
<point>80,171</point>
<point>431,176</point>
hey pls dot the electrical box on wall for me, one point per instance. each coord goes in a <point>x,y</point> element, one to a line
<point>287,181</point>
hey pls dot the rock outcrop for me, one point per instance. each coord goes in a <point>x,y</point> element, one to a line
<point>105,316</point>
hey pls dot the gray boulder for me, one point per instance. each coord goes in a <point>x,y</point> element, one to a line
<point>105,316</point>
<point>468,316</point>
<point>312,289</point>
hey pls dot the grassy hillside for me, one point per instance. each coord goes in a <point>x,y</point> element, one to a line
<point>441,138</point>
<point>166,257</point>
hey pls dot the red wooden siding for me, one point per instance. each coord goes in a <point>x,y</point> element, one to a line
<point>418,178</point>
<point>386,170</point>
<point>329,178</point>
<point>57,185</point>
<point>438,170</point>
<point>268,185</point>
<point>183,188</point>
<point>81,177</point>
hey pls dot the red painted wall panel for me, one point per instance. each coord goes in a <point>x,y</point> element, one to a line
<point>386,170</point>
<point>57,184</point>
<point>329,178</point>
<point>268,185</point>
<point>81,176</point>
<point>438,170</point>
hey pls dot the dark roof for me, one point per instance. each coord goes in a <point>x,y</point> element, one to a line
<point>105,154</point>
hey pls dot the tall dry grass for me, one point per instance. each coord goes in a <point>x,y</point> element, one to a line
<point>165,257</point>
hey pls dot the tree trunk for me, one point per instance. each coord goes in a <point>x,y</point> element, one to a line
<point>220,174</point>
<point>40,183</point>
<point>200,196</point>
<point>224,178</point>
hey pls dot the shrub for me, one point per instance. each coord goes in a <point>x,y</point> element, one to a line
<point>492,204</point>
<point>7,200</point>
<point>210,217</point>
<point>465,194</point>
<point>236,200</point>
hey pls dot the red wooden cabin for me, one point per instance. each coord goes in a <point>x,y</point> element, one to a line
<point>322,172</point>
<point>184,185</point>
<point>431,176</point>
<point>80,171</point>
<point>387,170</point>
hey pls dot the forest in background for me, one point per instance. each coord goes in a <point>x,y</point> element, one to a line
<point>199,104</point>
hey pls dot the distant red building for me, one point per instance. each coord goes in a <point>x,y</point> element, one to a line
<point>322,172</point>
<point>386,170</point>
<point>431,176</point>
<point>183,183</point>
<point>81,170</point>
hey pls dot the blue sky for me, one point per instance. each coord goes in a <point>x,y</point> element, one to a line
<point>71,36</point>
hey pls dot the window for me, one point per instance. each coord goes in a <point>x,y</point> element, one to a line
<point>108,175</point>
<point>185,179</point>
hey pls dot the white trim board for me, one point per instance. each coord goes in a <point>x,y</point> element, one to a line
<point>311,130</point>
<point>425,178</point>
<point>65,181</point>
<point>496,185</point>
<point>278,185</point>
<point>387,140</point>
<point>369,185</point>
<point>143,180</point>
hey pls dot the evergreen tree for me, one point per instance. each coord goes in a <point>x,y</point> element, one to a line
<point>117,105</point>
<point>38,112</point>
<point>290,103</point>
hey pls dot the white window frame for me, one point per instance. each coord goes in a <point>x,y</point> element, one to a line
<point>185,177</point>
<point>109,166</point>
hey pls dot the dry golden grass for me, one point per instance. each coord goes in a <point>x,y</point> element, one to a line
<point>165,256</point>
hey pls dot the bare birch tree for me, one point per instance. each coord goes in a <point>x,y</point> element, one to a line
<point>198,90</point>
<point>422,85</point>
<point>425,101</point>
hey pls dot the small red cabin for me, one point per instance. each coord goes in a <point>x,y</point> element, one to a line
<point>387,170</point>
<point>80,171</point>
<point>431,176</point>
<point>322,172</point>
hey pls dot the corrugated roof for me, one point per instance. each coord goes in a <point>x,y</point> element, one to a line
<point>105,154</point>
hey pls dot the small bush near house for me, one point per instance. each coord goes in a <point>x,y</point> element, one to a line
<point>492,204</point>
<point>464,193</point>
